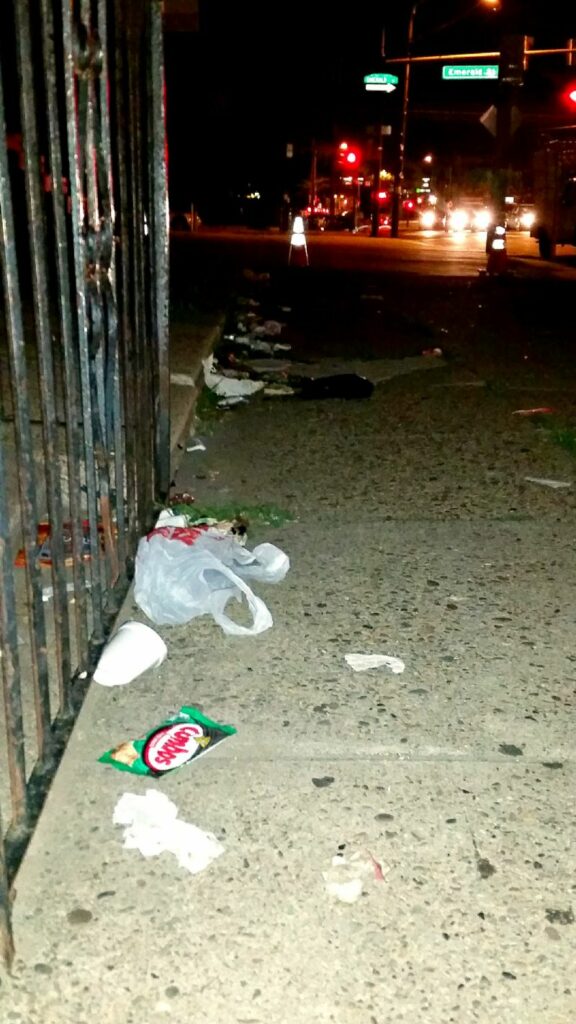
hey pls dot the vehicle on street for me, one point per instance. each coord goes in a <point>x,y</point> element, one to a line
<point>520,217</point>
<point>340,221</point>
<point>555,191</point>
<point>430,217</point>
<point>366,228</point>
<point>469,215</point>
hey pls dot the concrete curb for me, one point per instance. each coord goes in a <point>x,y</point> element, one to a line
<point>184,398</point>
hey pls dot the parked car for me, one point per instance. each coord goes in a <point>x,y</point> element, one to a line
<point>521,217</point>
<point>366,228</point>
<point>340,222</point>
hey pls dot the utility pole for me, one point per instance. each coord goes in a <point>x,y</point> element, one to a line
<point>376,186</point>
<point>512,64</point>
<point>313,175</point>
<point>399,169</point>
<point>510,81</point>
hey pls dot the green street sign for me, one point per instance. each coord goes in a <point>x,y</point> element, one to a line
<point>380,82</point>
<point>470,71</point>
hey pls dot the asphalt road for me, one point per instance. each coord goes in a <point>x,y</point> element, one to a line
<point>394,297</point>
<point>427,253</point>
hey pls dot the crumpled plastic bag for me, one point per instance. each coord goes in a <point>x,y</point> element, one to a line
<point>181,573</point>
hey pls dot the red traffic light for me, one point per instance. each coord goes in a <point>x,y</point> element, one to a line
<point>569,95</point>
<point>348,156</point>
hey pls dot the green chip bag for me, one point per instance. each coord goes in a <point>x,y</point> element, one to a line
<point>176,741</point>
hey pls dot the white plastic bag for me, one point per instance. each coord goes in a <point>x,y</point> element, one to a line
<point>180,574</point>
<point>265,563</point>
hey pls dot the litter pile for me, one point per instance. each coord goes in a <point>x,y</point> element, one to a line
<point>252,358</point>
<point>193,562</point>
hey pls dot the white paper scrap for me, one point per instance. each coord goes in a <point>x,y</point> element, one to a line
<point>228,387</point>
<point>227,403</point>
<point>350,872</point>
<point>151,825</point>
<point>168,518</point>
<point>362,662</point>
<point>556,484</point>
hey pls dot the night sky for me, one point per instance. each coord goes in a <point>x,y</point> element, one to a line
<point>259,75</point>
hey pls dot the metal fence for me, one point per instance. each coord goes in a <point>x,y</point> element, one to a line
<point>84,378</point>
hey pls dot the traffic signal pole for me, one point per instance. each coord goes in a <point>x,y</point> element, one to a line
<point>514,52</point>
<point>511,77</point>
<point>400,155</point>
<point>376,186</point>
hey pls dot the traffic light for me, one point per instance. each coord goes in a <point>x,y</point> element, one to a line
<point>561,91</point>
<point>570,95</point>
<point>348,158</point>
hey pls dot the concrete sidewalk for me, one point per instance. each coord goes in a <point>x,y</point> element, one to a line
<point>415,535</point>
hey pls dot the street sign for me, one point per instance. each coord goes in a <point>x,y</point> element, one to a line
<point>470,71</point>
<point>380,82</point>
<point>490,120</point>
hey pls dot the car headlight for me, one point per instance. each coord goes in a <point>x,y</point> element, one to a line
<point>482,220</point>
<point>428,219</point>
<point>459,220</point>
<point>527,219</point>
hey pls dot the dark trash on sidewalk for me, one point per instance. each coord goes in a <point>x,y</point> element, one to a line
<point>341,385</point>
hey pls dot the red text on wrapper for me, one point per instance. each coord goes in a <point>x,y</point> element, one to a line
<point>172,746</point>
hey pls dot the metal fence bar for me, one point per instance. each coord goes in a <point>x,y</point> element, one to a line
<point>99,229</point>
<point>143,385</point>
<point>11,679</point>
<point>24,450</point>
<point>107,282</point>
<point>68,335</point>
<point>78,47</point>
<point>159,246</point>
<point>127,342</point>
<point>114,398</point>
<point>12,697</point>
<point>44,343</point>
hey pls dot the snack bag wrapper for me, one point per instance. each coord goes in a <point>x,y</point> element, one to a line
<point>176,741</point>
